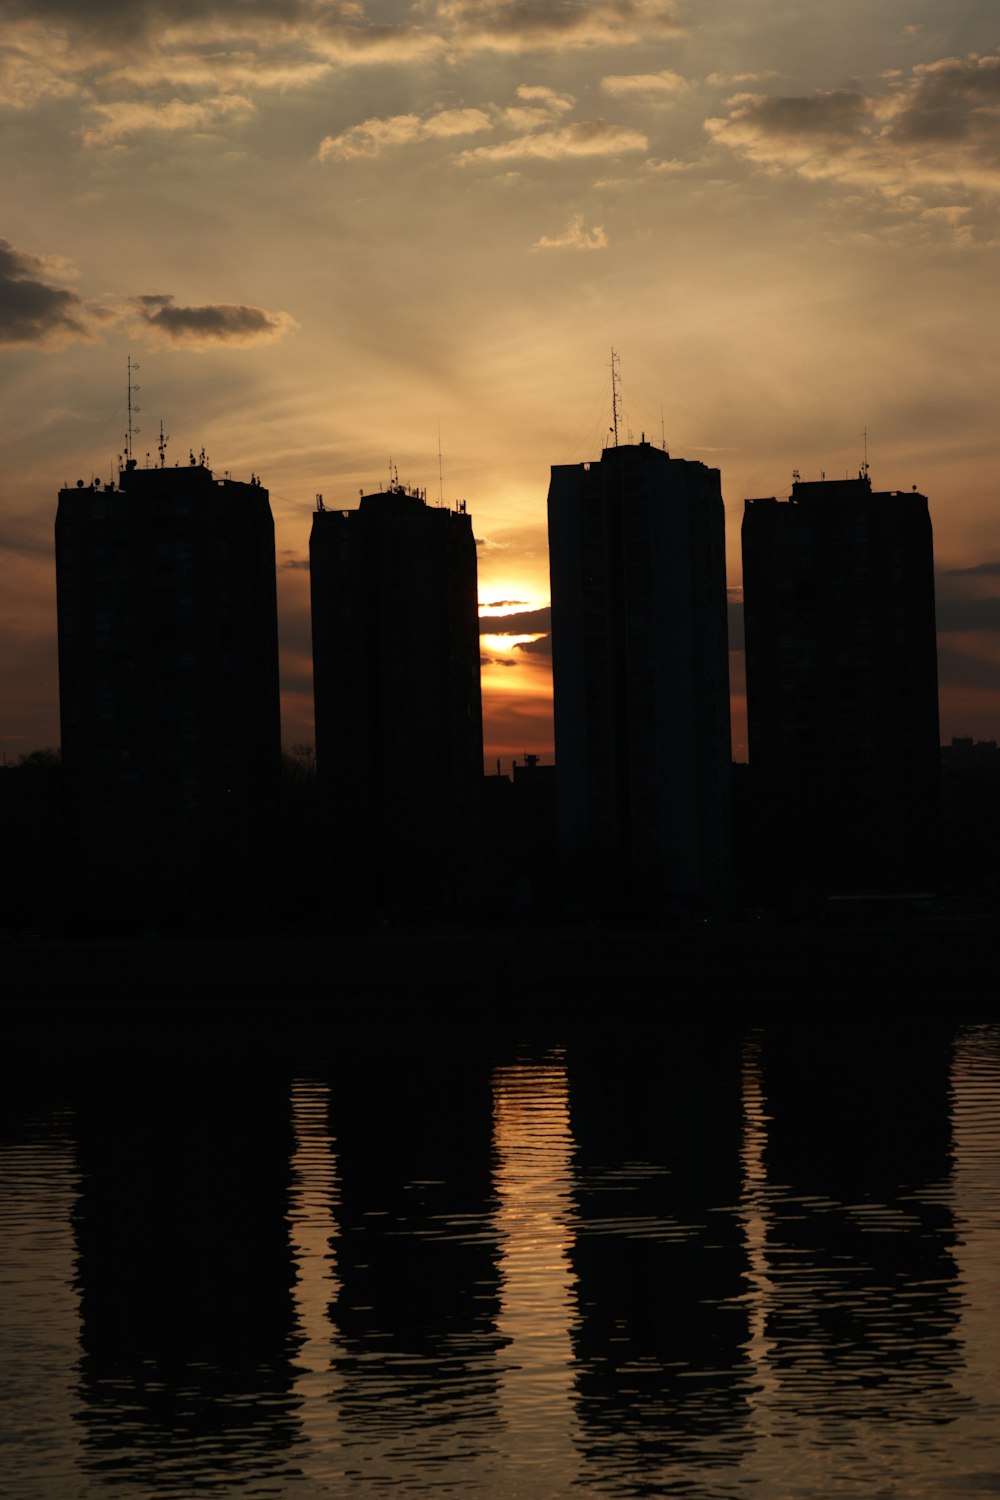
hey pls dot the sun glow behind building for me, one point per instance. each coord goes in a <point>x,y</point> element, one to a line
<point>516,675</point>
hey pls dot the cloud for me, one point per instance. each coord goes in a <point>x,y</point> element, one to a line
<point>984,569</point>
<point>734,616</point>
<point>532,25</point>
<point>667,168</point>
<point>177,116</point>
<point>940,127</point>
<point>111,52</point>
<point>537,108</point>
<point>761,124</point>
<point>574,237</point>
<point>958,668</point>
<point>727,80</point>
<point>541,647</point>
<point>957,616</point>
<point>549,99</point>
<point>522,622</point>
<point>376,135</point>
<point>584,138</point>
<point>216,323</point>
<point>34,309</point>
<point>646,84</point>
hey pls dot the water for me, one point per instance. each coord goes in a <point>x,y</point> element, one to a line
<point>708,1262</point>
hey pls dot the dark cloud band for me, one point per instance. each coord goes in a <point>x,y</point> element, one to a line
<point>34,310</point>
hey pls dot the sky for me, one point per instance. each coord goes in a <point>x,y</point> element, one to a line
<point>348,240</point>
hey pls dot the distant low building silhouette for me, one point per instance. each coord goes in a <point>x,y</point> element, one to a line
<point>399,733</point>
<point>971,788</point>
<point>641,676</point>
<point>519,840</point>
<point>842,702</point>
<point>168,647</point>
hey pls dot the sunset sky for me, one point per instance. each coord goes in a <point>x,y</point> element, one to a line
<point>330,232</point>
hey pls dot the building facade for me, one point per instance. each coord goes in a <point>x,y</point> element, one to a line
<point>641,675</point>
<point>842,700</point>
<point>399,731</point>
<point>168,647</point>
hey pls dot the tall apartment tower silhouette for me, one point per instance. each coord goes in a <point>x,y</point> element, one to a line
<point>168,647</point>
<point>399,729</point>
<point>641,675</point>
<point>842,697</point>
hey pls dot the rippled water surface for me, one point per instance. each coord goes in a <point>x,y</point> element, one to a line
<point>707,1262</point>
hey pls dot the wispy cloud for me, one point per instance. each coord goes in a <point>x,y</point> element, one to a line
<point>584,138</point>
<point>542,25</point>
<point>730,80</point>
<point>574,237</point>
<point>981,570</point>
<point>537,107</point>
<point>374,136</point>
<point>958,616</point>
<point>128,117</point>
<point>119,53</point>
<point>546,98</point>
<point>649,85</point>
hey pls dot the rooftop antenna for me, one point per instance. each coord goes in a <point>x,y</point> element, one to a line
<point>440,468</point>
<point>162,445</point>
<point>616,391</point>
<point>663,430</point>
<point>864,466</point>
<point>132,408</point>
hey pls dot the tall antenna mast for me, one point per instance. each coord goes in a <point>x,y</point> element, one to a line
<point>162,445</point>
<point>616,392</point>
<point>132,431</point>
<point>440,468</point>
<point>864,469</point>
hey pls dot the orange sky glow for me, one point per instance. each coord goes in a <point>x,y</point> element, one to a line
<point>337,241</point>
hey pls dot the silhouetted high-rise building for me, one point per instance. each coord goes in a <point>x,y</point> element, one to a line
<point>641,674</point>
<point>842,700</point>
<point>399,732</point>
<point>168,647</point>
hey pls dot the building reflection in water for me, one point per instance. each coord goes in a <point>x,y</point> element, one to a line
<point>863,1306</point>
<point>415,1309</point>
<point>38,1300</point>
<point>689,1264</point>
<point>661,1332</point>
<point>532,1179</point>
<point>976,1116</point>
<point>184,1273</point>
